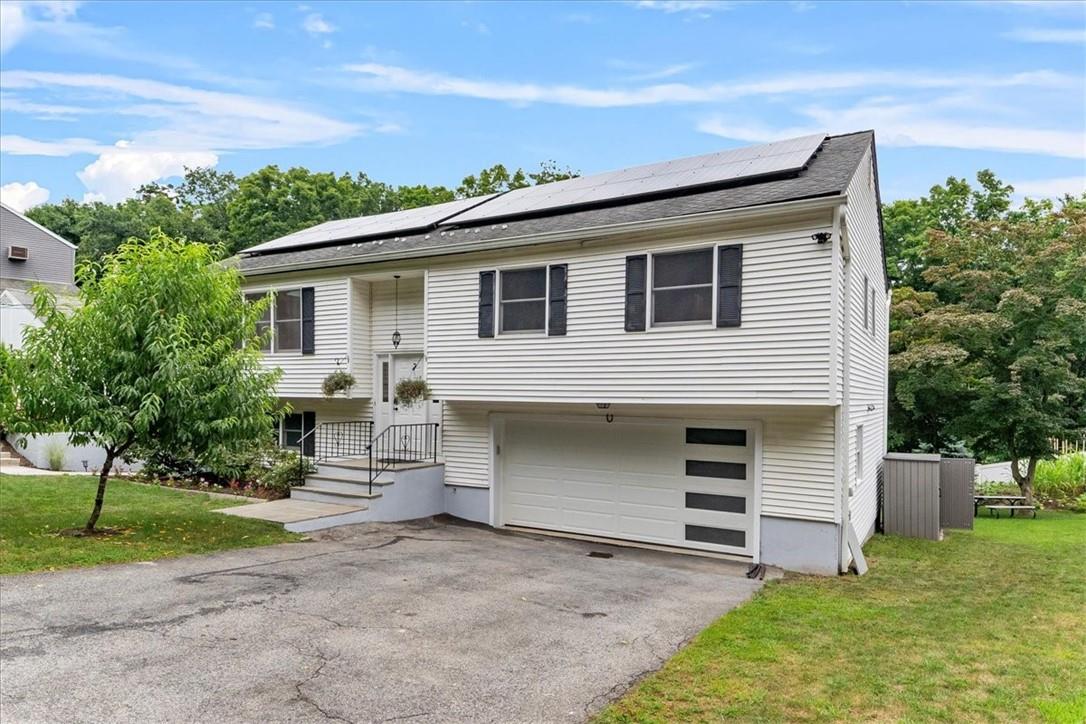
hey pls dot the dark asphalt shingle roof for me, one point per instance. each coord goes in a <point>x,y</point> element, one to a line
<point>828,174</point>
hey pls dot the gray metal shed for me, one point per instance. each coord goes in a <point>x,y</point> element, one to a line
<point>911,495</point>
<point>922,494</point>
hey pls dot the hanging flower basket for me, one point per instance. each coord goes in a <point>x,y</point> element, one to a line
<point>338,381</point>
<point>410,391</point>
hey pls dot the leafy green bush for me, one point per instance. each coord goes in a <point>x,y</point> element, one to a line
<point>1062,480</point>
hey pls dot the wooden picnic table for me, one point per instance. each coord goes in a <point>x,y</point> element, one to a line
<point>1001,502</point>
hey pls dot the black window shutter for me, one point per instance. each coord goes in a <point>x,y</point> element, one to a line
<point>556,317</point>
<point>308,316</point>
<point>729,302</point>
<point>486,304</point>
<point>309,421</point>
<point>636,279</point>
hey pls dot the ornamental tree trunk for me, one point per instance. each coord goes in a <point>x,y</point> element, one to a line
<point>1024,480</point>
<point>103,478</point>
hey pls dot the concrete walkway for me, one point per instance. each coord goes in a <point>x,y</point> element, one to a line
<point>424,622</point>
<point>289,510</point>
<point>27,470</point>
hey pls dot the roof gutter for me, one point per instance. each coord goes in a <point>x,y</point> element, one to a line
<point>511,242</point>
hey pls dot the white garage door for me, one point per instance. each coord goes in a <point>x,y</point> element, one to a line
<point>689,484</point>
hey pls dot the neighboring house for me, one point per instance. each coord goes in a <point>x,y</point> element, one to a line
<point>690,354</point>
<point>29,254</point>
<point>32,255</point>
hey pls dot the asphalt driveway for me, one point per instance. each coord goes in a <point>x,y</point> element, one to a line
<point>426,621</point>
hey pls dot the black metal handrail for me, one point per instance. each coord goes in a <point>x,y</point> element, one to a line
<point>350,438</point>
<point>414,443</point>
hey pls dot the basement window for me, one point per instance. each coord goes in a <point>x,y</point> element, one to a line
<point>292,431</point>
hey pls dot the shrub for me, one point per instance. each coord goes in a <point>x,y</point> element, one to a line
<point>284,470</point>
<point>1061,480</point>
<point>55,451</point>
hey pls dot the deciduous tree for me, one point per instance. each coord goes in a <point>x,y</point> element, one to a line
<point>160,353</point>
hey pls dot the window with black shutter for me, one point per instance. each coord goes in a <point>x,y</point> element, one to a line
<point>729,296</point>
<point>292,318</point>
<point>636,280</point>
<point>682,287</point>
<point>486,303</point>
<point>556,295</point>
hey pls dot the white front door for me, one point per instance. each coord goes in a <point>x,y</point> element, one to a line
<point>391,368</point>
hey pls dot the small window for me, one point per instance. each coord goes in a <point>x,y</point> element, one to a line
<point>384,381</point>
<point>715,469</point>
<point>716,536</point>
<point>523,297</point>
<point>714,436</point>
<point>719,503</point>
<point>293,429</point>
<point>284,317</point>
<point>288,320</point>
<point>682,287</point>
<point>264,322</point>
<point>874,313</point>
<point>859,452</point>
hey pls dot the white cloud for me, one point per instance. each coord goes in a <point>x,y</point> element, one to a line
<point>376,76</point>
<point>22,146</point>
<point>479,27</point>
<point>315,24</point>
<point>118,172</point>
<point>264,21</point>
<point>1072,36</point>
<point>1051,188</point>
<point>910,124</point>
<point>640,72</point>
<point>188,127</point>
<point>21,196</point>
<point>195,118</point>
<point>14,25</point>
<point>684,6</point>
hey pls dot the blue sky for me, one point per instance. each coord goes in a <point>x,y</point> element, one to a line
<point>97,98</point>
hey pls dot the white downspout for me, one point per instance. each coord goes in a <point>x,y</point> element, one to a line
<point>845,429</point>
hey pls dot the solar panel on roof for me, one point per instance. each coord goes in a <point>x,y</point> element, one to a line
<point>713,168</point>
<point>394,222</point>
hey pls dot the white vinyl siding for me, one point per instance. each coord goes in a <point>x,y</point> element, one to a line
<point>361,344</point>
<point>780,354</point>
<point>332,410</point>
<point>303,374</point>
<point>867,367</point>
<point>383,310</point>
<point>797,447</point>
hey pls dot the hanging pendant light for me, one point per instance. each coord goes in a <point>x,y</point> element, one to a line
<point>396,334</point>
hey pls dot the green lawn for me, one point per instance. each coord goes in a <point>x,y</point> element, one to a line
<point>988,625</point>
<point>153,522</point>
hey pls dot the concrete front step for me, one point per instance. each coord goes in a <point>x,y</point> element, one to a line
<point>333,497</point>
<point>347,485</point>
<point>302,516</point>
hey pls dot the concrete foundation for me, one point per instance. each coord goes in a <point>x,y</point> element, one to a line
<point>468,503</point>
<point>38,447</point>
<point>804,546</point>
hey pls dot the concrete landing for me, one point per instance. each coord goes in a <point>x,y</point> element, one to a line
<point>291,510</point>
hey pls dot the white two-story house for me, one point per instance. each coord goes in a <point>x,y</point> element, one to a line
<point>691,354</point>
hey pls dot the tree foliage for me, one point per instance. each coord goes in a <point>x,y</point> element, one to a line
<point>993,351</point>
<point>160,353</point>
<point>215,207</point>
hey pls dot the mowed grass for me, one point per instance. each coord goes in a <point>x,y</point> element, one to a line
<point>987,625</point>
<point>151,522</point>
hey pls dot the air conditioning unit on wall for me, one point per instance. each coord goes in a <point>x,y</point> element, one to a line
<point>18,253</point>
